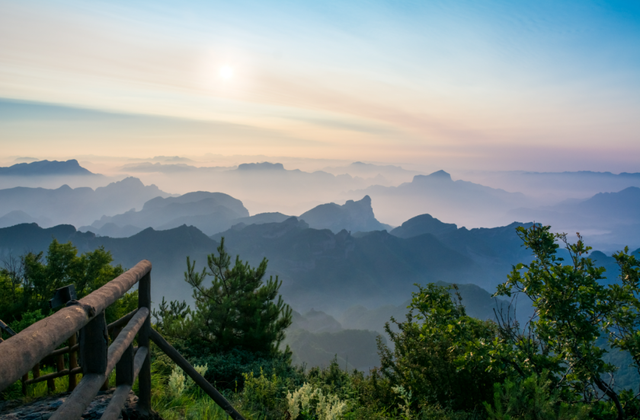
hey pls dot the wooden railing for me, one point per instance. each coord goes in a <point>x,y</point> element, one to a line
<point>24,351</point>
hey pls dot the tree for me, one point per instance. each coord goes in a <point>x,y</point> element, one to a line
<point>27,283</point>
<point>435,356</point>
<point>572,309</point>
<point>238,310</point>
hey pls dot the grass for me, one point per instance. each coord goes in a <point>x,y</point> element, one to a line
<point>40,389</point>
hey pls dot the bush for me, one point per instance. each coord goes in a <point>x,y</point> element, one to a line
<point>226,370</point>
<point>439,354</point>
<point>532,399</point>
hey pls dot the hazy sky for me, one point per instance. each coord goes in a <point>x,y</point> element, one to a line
<point>536,85</point>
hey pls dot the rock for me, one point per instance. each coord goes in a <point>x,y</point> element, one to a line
<point>43,408</point>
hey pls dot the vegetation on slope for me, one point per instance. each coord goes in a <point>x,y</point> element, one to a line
<point>440,363</point>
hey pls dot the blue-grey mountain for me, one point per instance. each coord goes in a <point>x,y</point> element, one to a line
<point>354,216</point>
<point>209,212</point>
<point>439,195</point>
<point>77,206</point>
<point>46,168</point>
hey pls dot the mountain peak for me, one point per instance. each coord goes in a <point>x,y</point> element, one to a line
<point>263,166</point>
<point>46,168</point>
<point>420,225</point>
<point>355,216</point>
<point>437,176</point>
<point>440,174</point>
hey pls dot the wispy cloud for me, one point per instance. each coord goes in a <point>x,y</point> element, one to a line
<point>416,78</point>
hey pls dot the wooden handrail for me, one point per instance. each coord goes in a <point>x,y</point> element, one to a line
<point>53,375</point>
<point>84,393</point>
<point>121,393</point>
<point>24,350</point>
<point>170,351</point>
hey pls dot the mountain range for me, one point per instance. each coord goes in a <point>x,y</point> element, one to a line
<point>439,195</point>
<point>209,212</point>
<point>549,188</point>
<point>215,212</point>
<point>262,187</point>
<point>77,206</point>
<point>319,268</point>
<point>607,220</point>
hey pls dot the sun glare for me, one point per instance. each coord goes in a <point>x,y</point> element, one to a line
<point>226,72</point>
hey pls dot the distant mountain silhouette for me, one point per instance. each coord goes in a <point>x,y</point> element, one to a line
<point>322,269</point>
<point>77,206</point>
<point>355,216</point>
<point>17,217</point>
<point>112,230</point>
<point>607,220</point>
<point>386,175</point>
<point>315,322</point>
<point>422,224</point>
<point>551,187</point>
<point>263,186</point>
<point>167,250</point>
<point>46,168</point>
<point>213,213</point>
<point>210,212</point>
<point>439,195</point>
<point>264,166</point>
<point>477,302</point>
<point>260,218</point>
<point>319,269</point>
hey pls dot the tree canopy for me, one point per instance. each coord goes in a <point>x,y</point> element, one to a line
<point>28,282</point>
<point>237,310</point>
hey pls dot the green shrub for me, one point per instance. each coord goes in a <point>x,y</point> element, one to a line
<point>532,399</point>
<point>226,369</point>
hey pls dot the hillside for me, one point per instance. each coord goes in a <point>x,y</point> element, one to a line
<point>319,269</point>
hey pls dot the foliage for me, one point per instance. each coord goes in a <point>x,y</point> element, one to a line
<point>532,399</point>
<point>238,310</point>
<point>176,382</point>
<point>28,318</point>
<point>572,310</point>
<point>264,393</point>
<point>443,364</point>
<point>436,357</point>
<point>227,369</point>
<point>310,402</point>
<point>27,283</point>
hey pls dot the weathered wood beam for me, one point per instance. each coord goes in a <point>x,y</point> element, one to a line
<point>113,410</point>
<point>24,350</point>
<point>84,393</point>
<point>193,373</point>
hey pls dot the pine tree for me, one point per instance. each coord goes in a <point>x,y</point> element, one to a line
<point>238,310</point>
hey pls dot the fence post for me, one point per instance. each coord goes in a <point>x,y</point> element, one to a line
<point>144,377</point>
<point>36,371</point>
<point>93,346</point>
<point>25,378</point>
<point>124,368</point>
<point>51,382</point>
<point>73,363</point>
<point>59,364</point>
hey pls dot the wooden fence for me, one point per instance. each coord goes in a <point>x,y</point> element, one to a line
<point>24,351</point>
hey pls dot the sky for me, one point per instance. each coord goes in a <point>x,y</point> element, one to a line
<point>477,85</point>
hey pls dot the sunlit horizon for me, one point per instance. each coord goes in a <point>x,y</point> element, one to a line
<point>454,85</point>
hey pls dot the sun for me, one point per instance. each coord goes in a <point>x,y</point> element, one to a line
<point>226,72</point>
